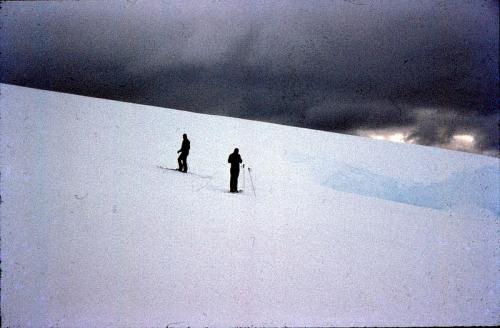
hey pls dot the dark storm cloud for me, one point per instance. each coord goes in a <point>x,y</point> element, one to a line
<point>430,66</point>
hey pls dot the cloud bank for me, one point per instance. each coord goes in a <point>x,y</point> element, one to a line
<point>426,67</point>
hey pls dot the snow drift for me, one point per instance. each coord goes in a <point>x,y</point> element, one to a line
<point>341,230</point>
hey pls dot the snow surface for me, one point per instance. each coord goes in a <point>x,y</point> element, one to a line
<point>341,230</point>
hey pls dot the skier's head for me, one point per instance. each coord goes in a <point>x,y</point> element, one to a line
<point>236,150</point>
<point>184,136</point>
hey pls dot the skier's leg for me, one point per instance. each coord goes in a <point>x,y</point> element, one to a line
<point>182,162</point>
<point>185,164</point>
<point>179,160</point>
<point>234,180</point>
<point>237,173</point>
<point>231,183</point>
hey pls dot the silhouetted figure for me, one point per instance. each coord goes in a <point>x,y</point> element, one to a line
<point>182,160</point>
<point>235,160</point>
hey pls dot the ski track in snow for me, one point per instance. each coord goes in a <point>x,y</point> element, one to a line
<point>341,230</point>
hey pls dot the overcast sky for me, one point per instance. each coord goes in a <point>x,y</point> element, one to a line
<point>417,71</point>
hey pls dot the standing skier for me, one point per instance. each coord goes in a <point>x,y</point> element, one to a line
<point>182,160</point>
<point>235,160</point>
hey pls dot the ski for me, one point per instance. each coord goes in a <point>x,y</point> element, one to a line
<point>169,168</point>
<point>190,173</point>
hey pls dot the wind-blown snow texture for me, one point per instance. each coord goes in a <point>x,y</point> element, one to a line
<point>343,230</point>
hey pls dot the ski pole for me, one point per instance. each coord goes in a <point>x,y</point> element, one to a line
<point>243,176</point>
<point>251,181</point>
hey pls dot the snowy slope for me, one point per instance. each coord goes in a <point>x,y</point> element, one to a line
<point>342,231</point>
